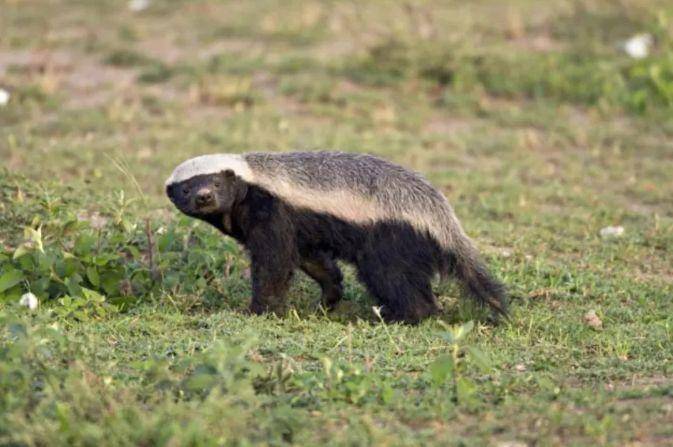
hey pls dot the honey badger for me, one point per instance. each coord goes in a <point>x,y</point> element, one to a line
<point>310,209</point>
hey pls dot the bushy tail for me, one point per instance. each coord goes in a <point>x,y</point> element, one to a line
<point>475,278</point>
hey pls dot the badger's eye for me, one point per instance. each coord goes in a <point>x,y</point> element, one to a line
<point>216,184</point>
<point>185,190</point>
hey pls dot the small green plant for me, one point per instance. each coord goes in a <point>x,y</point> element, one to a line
<point>128,58</point>
<point>221,369</point>
<point>75,262</point>
<point>156,73</point>
<point>347,382</point>
<point>449,369</point>
<point>85,265</point>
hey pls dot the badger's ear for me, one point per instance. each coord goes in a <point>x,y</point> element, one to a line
<point>228,174</point>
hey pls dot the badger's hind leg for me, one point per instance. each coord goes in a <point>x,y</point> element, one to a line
<point>325,271</point>
<point>397,270</point>
<point>405,294</point>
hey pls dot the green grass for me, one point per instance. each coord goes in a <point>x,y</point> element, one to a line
<point>539,130</point>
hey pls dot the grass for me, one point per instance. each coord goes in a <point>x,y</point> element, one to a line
<point>528,116</point>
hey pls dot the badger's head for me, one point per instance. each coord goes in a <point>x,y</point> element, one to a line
<point>207,186</point>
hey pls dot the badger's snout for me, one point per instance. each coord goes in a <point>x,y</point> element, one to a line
<point>204,197</point>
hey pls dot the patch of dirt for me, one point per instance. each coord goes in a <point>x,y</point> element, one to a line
<point>265,83</point>
<point>163,48</point>
<point>579,117</point>
<point>9,58</point>
<point>209,113</point>
<point>647,381</point>
<point>346,86</point>
<point>499,103</point>
<point>542,43</point>
<point>642,208</point>
<point>166,92</point>
<point>448,125</point>
<point>228,45</point>
<point>91,83</point>
<point>169,51</point>
<point>82,80</point>
<point>333,49</point>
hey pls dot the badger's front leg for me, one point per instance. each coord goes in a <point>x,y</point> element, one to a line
<point>273,257</point>
<point>269,287</point>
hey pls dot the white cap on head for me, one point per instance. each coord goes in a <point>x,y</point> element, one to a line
<point>210,164</point>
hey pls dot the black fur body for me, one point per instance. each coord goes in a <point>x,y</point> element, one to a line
<point>394,259</point>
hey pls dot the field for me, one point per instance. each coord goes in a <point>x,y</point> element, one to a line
<point>528,115</point>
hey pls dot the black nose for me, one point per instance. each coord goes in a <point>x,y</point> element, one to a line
<point>204,197</point>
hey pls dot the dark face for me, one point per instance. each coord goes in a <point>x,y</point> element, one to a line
<point>207,195</point>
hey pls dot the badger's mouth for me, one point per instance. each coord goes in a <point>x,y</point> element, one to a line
<point>204,210</point>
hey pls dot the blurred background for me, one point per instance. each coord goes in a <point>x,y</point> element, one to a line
<point>432,84</point>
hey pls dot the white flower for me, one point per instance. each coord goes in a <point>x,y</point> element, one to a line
<point>638,46</point>
<point>612,231</point>
<point>138,5</point>
<point>28,300</point>
<point>4,97</point>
